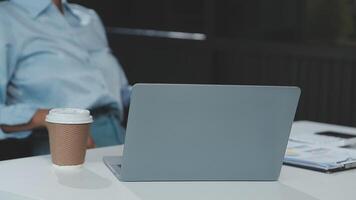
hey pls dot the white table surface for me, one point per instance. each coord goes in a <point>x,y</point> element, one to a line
<point>35,178</point>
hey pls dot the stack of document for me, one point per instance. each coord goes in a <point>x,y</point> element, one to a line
<point>321,158</point>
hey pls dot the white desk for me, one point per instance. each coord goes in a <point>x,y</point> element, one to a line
<point>35,178</point>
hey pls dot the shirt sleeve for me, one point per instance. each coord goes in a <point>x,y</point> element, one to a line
<point>10,114</point>
<point>125,88</point>
<point>126,95</point>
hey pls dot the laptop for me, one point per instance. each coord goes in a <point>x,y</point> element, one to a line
<point>183,132</point>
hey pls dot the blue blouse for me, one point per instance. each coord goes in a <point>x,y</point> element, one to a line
<point>49,59</point>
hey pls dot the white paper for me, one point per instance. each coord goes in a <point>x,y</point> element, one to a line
<point>316,156</point>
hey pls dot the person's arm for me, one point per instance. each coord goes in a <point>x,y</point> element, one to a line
<point>126,95</point>
<point>18,117</point>
<point>124,86</point>
<point>11,115</point>
<point>37,121</point>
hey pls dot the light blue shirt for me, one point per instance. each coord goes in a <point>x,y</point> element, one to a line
<point>49,60</point>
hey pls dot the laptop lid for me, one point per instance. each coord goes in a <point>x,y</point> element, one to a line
<point>207,132</point>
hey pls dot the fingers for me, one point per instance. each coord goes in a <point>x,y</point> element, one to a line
<point>90,142</point>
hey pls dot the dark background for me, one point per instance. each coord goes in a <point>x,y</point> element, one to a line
<point>309,44</point>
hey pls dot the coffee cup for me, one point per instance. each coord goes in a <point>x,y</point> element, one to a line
<point>68,130</point>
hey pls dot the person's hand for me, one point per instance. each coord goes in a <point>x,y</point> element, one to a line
<point>90,142</point>
<point>39,119</point>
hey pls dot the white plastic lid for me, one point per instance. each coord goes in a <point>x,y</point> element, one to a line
<point>69,116</point>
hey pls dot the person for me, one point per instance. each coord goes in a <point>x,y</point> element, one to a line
<point>56,54</point>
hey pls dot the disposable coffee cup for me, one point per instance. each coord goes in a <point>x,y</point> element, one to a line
<point>68,130</point>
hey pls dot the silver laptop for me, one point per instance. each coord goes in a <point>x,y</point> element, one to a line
<point>206,132</point>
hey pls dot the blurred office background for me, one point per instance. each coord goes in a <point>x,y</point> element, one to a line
<point>307,43</point>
